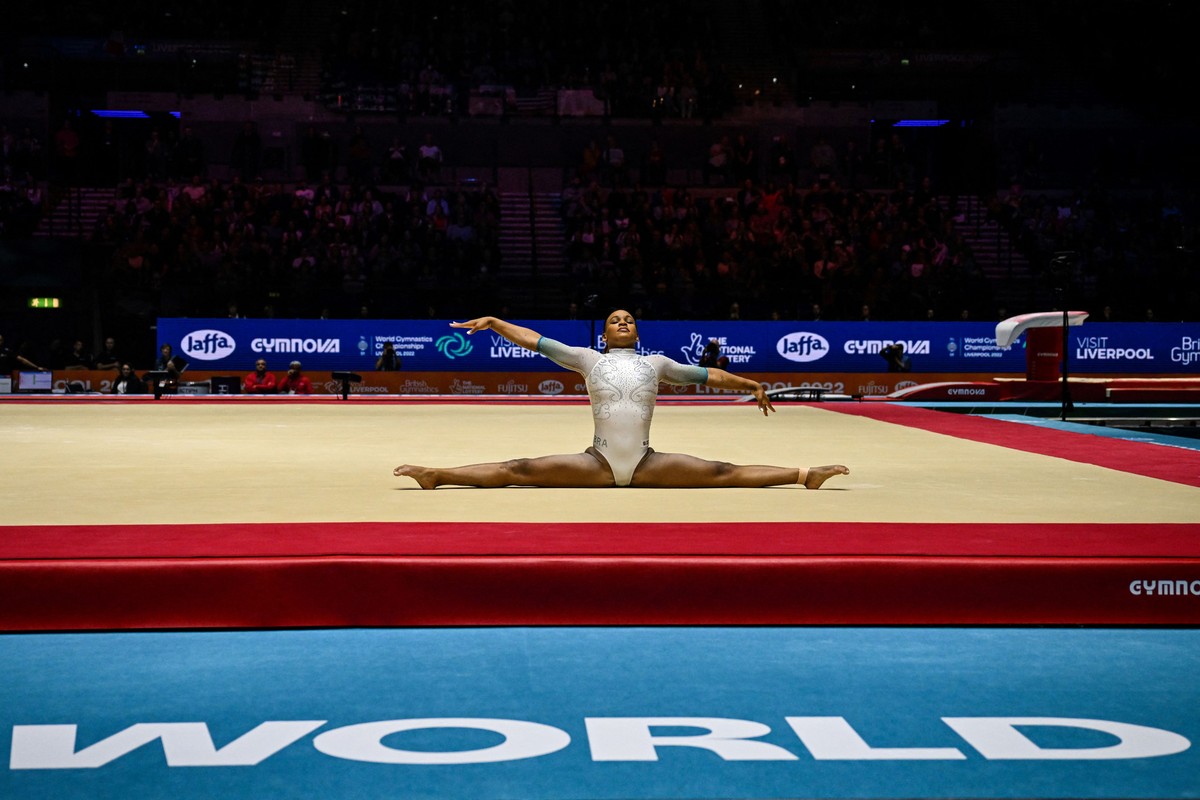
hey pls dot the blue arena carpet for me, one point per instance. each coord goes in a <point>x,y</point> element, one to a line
<point>606,713</point>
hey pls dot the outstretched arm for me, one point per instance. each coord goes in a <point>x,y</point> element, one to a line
<point>524,337</point>
<point>720,379</point>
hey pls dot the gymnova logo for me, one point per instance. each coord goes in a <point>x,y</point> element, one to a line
<point>453,346</point>
<point>875,346</point>
<point>1165,588</point>
<point>802,346</point>
<point>295,344</point>
<point>208,345</point>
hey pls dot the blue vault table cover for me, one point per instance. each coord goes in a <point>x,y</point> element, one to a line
<point>432,345</point>
<point>602,713</point>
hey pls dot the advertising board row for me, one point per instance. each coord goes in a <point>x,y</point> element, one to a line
<point>790,347</point>
<point>467,384</point>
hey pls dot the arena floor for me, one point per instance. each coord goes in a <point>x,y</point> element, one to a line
<point>238,599</point>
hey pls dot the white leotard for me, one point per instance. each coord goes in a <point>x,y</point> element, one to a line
<point>623,387</point>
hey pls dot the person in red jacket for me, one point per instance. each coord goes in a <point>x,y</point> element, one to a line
<point>260,381</point>
<point>295,382</point>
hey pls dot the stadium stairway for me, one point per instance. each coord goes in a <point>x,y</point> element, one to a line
<point>1008,272</point>
<point>75,212</point>
<point>532,244</point>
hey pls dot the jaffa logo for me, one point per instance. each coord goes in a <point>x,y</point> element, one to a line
<point>453,346</point>
<point>208,345</point>
<point>802,346</point>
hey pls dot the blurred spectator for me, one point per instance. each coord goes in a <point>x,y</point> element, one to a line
<point>429,160</point>
<point>654,167</point>
<point>157,156</point>
<point>66,154</point>
<point>782,159</point>
<point>127,381</point>
<point>897,360</point>
<point>389,360</point>
<point>108,357</point>
<point>396,169</point>
<point>188,157</point>
<point>360,166</point>
<point>78,358</point>
<point>23,358</point>
<point>613,162</point>
<point>824,160</point>
<point>718,162</point>
<point>745,159</point>
<point>711,354</point>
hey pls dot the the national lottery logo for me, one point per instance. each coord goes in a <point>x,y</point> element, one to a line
<point>736,353</point>
<point>694,349</point>
<point>460,386</point>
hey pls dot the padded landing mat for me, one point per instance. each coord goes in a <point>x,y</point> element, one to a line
<point>601,714</point>
<point>211,515</point>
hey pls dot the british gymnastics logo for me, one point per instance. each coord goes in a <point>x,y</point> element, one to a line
<point>453,346</point>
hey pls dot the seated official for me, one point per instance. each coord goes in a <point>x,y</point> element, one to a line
<point>295,382</point>
<point>260,381</point>
<point>169,362</point>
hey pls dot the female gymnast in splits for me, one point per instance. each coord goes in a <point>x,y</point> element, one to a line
<point>622,386</point>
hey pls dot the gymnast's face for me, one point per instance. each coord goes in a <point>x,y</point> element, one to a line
<point>620,330</point>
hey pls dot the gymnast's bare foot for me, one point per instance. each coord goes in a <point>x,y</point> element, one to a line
<point>421,475</point>
<point>818,475</point>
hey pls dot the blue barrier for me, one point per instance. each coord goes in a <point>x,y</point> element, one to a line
<point>432,345</point>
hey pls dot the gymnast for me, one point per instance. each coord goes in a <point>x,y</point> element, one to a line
<point>622,386</point>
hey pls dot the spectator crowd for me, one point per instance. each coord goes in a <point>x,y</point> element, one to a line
<point>765,231</point>
<point>766,250</point>
<point>234,247</point>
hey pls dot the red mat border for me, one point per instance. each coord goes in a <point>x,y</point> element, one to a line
<point>516,539</point>
<point>443,574</point>
<point>472,591</point>
<point>1175,464</point>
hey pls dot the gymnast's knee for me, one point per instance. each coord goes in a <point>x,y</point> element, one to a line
<point>517,467</point>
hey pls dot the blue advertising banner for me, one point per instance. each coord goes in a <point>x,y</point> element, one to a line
<point>432,345</point>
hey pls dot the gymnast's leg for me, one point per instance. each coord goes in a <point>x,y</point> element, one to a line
<point>573,471</point>
<point>677,470</point>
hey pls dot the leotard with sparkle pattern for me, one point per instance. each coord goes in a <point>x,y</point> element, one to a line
<point>623,387</point>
